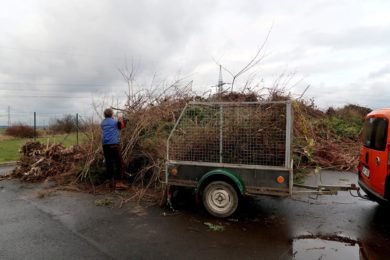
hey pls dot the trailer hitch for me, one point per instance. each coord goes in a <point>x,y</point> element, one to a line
<point>325,189</point>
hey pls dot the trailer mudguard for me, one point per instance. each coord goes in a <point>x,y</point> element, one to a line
<point>223,172</point>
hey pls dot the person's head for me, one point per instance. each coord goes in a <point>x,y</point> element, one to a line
<point>108,113</point>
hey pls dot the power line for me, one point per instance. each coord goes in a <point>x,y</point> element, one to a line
<point>49,52</point>
<point>55,84</point>
<point>60,112</point>
<point>42,96</point>
<point>59,92</point>
<point>47,91</point>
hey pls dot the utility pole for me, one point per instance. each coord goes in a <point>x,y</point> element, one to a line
<point>35,125</point>
<point>77,128</point>
<point>220,81</point>
<point>9,116</point>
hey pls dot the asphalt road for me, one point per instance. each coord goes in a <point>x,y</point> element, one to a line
<point>68,225</point>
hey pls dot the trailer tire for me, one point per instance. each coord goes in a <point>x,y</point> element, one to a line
<point>220,199</point>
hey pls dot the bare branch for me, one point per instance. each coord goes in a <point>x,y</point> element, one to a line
<point>254,61</point>
<point>303,93</point>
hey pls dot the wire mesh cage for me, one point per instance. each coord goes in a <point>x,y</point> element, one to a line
<point>252,133</point>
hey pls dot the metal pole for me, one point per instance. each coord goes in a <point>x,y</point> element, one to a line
<point>35,125</point>
<point>169,139</point>
<point>9,116</point>
<point>77,128</point>
<point>221,133</point>
<point>288,135</point>
<point>220,81</point>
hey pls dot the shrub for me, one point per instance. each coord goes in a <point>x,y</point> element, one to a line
<point>20,130</point>
<point>67,124</point>
<point>346,121</point>
<point>353,113</point>
<point>342,127</point>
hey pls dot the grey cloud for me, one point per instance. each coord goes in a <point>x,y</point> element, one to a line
<point>53,44</point>
<point>76,47</point>
<point>360,37</point>
<point>90,39</point>
<point>362,92</point>
<point>380,73</point>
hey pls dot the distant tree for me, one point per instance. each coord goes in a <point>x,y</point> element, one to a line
<point>66,124</point>
<point>331,111</point>
<point>346,121</point>
<point>353,110</point>
<point>20,130</point>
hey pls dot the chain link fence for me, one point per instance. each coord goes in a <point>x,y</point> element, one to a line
<point>68,129</point>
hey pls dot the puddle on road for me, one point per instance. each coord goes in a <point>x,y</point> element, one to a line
<point>326,247</point>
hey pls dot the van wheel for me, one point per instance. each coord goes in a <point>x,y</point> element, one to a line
<point>220,199</point>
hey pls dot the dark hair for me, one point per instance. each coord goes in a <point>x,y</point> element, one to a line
<point>108,113</point>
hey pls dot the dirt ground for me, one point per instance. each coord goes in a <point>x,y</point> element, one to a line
<point>63,225</point>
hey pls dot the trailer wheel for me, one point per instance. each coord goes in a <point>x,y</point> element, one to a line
<point>220,199</point>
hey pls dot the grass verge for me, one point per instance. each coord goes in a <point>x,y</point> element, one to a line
<point>9,147</point>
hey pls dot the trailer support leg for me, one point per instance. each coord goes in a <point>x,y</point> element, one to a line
<point>169,198</point>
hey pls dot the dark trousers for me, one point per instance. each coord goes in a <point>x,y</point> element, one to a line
<point>114,163</point>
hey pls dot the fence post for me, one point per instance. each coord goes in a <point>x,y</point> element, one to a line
<point>77,128</point>
<point>220,133</point>
<point>35,125</point>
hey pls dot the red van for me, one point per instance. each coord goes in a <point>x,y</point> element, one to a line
<point>374,159</point>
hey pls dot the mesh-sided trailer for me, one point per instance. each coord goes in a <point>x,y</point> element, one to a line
<point>226,150</point>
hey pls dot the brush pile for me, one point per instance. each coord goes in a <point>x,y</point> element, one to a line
<point>319,143</point>
<point>39,162</point>
<point>320,139</point>
<point>251,134</point>
<point>144,138</point>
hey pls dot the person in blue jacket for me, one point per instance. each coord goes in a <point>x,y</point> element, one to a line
<point>111,145</point>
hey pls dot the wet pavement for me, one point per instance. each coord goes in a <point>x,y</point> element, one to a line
<point>67,225</point>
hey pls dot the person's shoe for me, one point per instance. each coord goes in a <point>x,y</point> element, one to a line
<point>112,185</point>
<point>121,185</point>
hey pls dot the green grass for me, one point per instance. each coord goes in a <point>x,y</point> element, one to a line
<point>9,148</point>
<point>104,202</point>
<point>45,194</point>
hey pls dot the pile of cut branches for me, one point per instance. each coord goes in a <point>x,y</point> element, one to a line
<point>317,144</point>
<point>317,140</point>
<point>253,133</point>
<point>39,162</point>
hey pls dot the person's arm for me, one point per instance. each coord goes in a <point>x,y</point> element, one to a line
<point>120,123</point>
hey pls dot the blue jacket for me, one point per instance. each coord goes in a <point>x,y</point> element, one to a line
<point>110,131</point>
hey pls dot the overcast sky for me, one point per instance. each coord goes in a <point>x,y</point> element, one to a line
<point>57,56</point>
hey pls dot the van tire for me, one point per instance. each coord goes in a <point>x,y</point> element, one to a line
<point>220,199</point>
